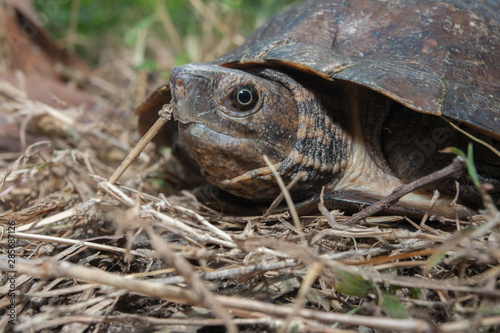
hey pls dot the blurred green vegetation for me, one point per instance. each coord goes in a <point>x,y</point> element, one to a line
<point>95,27</point>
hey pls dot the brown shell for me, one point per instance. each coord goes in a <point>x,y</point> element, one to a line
<point>437,58</point>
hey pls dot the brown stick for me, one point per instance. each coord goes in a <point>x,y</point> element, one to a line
<point>165,115</point>
<point>455,168</point>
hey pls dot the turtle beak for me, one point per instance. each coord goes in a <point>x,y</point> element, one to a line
<point>189,94</point>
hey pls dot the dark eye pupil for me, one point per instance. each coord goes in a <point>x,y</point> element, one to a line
<point>244,96</point>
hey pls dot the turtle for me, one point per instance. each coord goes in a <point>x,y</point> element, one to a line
<point>357,98</point>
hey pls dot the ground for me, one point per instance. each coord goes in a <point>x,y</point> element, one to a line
<point>82,254</point>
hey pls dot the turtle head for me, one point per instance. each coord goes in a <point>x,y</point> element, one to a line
<point>229,119</point>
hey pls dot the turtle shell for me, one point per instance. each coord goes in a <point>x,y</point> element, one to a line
<point>440,58</point>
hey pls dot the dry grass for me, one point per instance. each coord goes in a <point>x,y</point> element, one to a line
<point>135,258</point>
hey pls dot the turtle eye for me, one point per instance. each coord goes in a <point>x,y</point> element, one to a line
<point>244,98</point>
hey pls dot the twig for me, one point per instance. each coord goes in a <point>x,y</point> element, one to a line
<point>78,209</point>
<point>326,213</point>
<point>288,197</point>
<point>62,291</point>
<point>234,272</point>
<point>134,153</point>
<point>472,137</point>
<point>208,225</point>
<point>59,240</point>
<point>305,287</point>
<point>152,321</point>
<point>456,167</point>
<point>281,196</point>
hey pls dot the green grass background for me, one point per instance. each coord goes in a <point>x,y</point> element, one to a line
<point>98,30</point>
